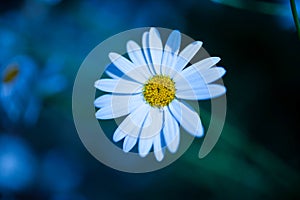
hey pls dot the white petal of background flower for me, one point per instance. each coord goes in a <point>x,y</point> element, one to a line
<point>187,118</point>
<point>118,86</point>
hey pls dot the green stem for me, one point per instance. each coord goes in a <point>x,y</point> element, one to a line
<point>295,16</point>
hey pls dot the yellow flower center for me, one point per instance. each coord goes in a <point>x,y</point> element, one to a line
<point>159,91</point>
<point>11,73</point>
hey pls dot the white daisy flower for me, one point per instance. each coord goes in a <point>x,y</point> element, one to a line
<point>152,91</point>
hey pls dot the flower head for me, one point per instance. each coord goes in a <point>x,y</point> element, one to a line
<point>23,87</point>
<point>151,90</point>
<point>17,77</point>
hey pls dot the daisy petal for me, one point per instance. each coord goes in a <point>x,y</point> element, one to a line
<point>201,77</point>
<point>118,86</point>
<point>114,76</point>
<point>202,65</point>
<point>136,55</point>
<point>127,67</point>
<point>122,63</point>
<point>108,113</point>
<point>173,146</point>
<point>170,51</point>
<point>145,145</point>
<point>146,47</point>
<point>212,74</point>
<point>118,135</point>
<point>129,143</point>
<point>152,127</point>
<point>113,71</point>
<point>187,54</point>
<point>153,123</point>
<point>158,151</point>
<point>171,132</point>
<point>156,49</point>
<point>201,93</point>
<point>102,101</point>
<point>110,106</point>
<point>133,123</point>
<point>187,117</point>
<point>114,99</point>
<point>173,42</point>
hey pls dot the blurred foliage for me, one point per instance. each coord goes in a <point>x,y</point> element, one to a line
<point>42,44</point>
<point>295,16</point>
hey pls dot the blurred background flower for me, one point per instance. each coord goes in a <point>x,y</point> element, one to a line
<point>17,164</point>
<point>24,86</point>
<point>42,45</point>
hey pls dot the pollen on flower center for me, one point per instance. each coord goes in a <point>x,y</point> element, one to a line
<point>159,91</point>
<point>11,73</point>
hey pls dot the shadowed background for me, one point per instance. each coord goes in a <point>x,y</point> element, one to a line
<point>42,45</point>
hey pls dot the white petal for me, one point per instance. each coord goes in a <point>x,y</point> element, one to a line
<point>201,93</point>
<point>136,55</point>
<point>192,77</point>
<point>133,123</point>
<point>158,151</point>
<point>102,101</point>
<point>202,65</point>
<point>108,113</point>
<point>171,132</point>
<point>212,74</point>
<point>145,145</point>
<point>111,75</point>
<point>187,117</point>
<point>187,54</point>
<point>151,128</point>
<point>170,51</point>
<point>114,99</point>
<point>153,123</point>
<point>173,42</point>
<point>118,135</point>
<point>113,106</point>
<point>118,86</point>
<point>166,65</point>
<point>127,67</point>
<point>146,47</point>
<point>156,49</point>
<point>129,143</point>
<point>120,62</point>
